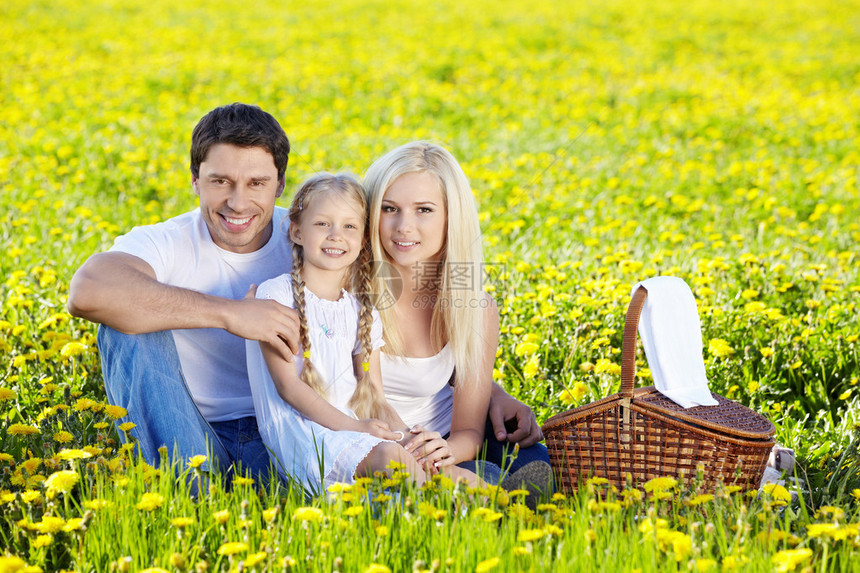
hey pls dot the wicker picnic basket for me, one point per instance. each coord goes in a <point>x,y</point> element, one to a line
<point>639,434</point>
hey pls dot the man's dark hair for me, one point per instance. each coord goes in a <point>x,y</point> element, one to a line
<point>241,125</point>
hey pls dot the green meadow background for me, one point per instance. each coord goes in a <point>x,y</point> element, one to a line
<point>606,142</point>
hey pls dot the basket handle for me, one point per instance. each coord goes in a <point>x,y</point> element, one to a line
<point>628,344</point>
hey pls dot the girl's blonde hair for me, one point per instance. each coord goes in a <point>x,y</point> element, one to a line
<point>458,317</point>
<point>367,401</point>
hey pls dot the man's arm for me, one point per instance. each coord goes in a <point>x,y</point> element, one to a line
<point>121,291</point>
<point>506,410</point>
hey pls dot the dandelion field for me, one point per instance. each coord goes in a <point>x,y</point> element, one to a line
<point>606,143</point>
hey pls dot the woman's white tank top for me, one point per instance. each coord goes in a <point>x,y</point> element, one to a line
<point>420,390</point>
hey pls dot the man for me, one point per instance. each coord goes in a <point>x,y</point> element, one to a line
<point>176,300</point>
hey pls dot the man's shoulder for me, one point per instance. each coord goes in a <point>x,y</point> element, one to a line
<point>178,224</point>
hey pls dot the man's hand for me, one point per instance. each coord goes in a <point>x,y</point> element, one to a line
<point>508,412</point>
<point>266,321</point>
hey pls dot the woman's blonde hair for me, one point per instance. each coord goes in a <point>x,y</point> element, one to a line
<point>458,316</point>
<point>366,401</point>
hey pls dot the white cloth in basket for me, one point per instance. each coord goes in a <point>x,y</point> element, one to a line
<point>672,338</point>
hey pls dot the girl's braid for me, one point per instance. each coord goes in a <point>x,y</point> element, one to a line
<point>367,401</point>
<point>309,374</point>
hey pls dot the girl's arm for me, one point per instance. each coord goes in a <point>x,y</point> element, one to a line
<point>471,402</point>
<point>313,406</point>
<point>389,414</point>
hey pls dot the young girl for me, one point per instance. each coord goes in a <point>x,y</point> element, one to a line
<point>324,418</point>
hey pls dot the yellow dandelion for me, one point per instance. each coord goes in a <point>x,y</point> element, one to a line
<point>150,501</point>
<point>830,511</point>
<point>377,568</point>
<point>50,524</point>
<point>529,535</point>
<point>73,454</point>
<point>127,426</point>
<point>821,529</point>
<point>221,517</point>
<point>700,499</point>
<point>487,565</point>
<point>115,412</point>
<point>97,504</point>
<point>31,465</point>
<point>778,494</point>
<point>255,558</point>
<point>353,511</point>
<point>181,522</point>
<point>7,394</point>
<point>71,349</point>
<point>703,565</point>
<point>734,562</point>
<point>526,349</point>
<point>232,548</point>
<point>311,514</point>
<point>789,559</point>
<point>22,430</point>
<point>12,564</point>
<point>381,530</point>
<point>62,481</point>
<point>270,513</point>
<point>720,348</point>
<point>73,524</point>
<point>196,461</point>
<point>42,541</point>
<point>660,484</point>
<point>240,481</point>
<point>63,437</point>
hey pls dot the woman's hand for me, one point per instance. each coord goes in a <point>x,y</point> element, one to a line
<point>377,428</point>
<point>429,448</point>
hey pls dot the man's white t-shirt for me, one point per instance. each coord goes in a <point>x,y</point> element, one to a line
<point>182,253</point>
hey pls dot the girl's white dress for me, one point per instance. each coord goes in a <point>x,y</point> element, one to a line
<point>299,448</point>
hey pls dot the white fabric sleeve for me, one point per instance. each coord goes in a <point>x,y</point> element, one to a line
<point>279,289</point>
<point>151,243</point>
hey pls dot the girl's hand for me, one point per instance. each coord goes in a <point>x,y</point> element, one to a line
<point>378,428</point>
<point>430,449</point>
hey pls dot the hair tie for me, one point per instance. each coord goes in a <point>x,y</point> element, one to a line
<point>306,354</point>
<point>365,366</point>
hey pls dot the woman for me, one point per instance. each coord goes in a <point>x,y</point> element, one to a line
<point>442,330</point>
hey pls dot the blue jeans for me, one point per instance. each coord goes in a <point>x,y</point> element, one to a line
<point>496,458</point>
<point>142,374</point>
<point>500,453</point>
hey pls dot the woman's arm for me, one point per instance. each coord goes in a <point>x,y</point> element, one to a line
<point>313,406</point>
